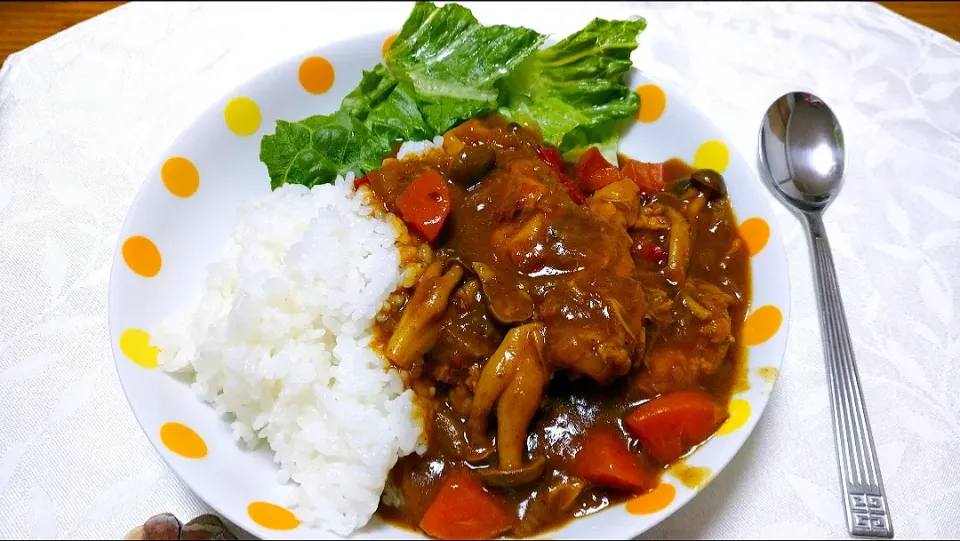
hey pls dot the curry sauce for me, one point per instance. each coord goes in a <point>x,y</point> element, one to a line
<point>557,300</point>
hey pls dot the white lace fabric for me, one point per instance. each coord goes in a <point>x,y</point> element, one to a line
<point>84,116</point>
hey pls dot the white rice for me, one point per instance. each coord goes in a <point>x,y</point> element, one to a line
<point>279,344</point>
<point>418,147</point>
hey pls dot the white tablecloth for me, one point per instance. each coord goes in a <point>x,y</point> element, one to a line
<point>85,114</point>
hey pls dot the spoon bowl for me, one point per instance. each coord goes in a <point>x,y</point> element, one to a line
<point>802,151</point>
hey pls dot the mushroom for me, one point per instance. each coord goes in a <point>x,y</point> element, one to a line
<point>698,310</point>
<point>452,437</point>
<point>709,179</point>
<point>471,164</point>
<point>696,206</point>
<point>420,323</point>
<point>679,242</point>
<point>525,474</point>
<point>514,379</point>
<point>563,491</point>
<point>702,185</point>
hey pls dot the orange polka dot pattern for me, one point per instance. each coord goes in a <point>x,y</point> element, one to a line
<point>316,75</point>
<point>141,256</point>
<point>180,176</point>
<point>652,103</point>
<point>755,232</point>
<point>182,440</point>
<point>761,325</point>
<point>272,516</point>
<point>656,500</point>
<point>387,43</point>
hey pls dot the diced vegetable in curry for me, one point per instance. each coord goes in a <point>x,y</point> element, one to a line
<point>574,333</point>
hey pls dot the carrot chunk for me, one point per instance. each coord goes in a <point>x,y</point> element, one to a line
<point>671,424</point>
<point>605,460</point>
<point>463,509</point>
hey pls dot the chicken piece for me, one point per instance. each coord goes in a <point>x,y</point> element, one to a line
<point>617,203</point>
<point>673,369</point>
<point>659,306</point>
<point>706,331</point>
<point>523,191</point>
<point>514,379</point>
<point>591,351</point>
<point>651,218</point>
<point>575,267</point>
<point>595,328</point>
<point>709,304</point>
<point>538,231</point>
<point>468,335</point>
<point>667,369</point>
<point>522,203</point>
<point>419,325</point>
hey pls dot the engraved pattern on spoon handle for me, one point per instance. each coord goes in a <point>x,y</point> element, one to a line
<point>866,504</point>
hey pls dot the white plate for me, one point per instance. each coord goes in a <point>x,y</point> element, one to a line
<point>188,228</point>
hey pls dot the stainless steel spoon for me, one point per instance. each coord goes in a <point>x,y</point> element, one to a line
<point>802,155</point>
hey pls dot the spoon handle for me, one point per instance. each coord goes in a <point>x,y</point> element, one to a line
<point>863,495</point>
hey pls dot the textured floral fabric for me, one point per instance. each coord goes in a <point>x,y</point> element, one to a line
<point>85,114</point>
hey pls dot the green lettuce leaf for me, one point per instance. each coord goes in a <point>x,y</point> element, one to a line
<point>371,118</point>
<point>317,149</point>
<point>387,107</point>
<point>575,91</point>
<point>443,68</point>
<point>454,63</point>
<point>608,149</point>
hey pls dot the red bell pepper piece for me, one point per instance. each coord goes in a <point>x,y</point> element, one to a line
<point>593,171</point>
<point>360,181</point>
<point>648,176</point>
<point>551,157</point>
<point>425,204</point>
